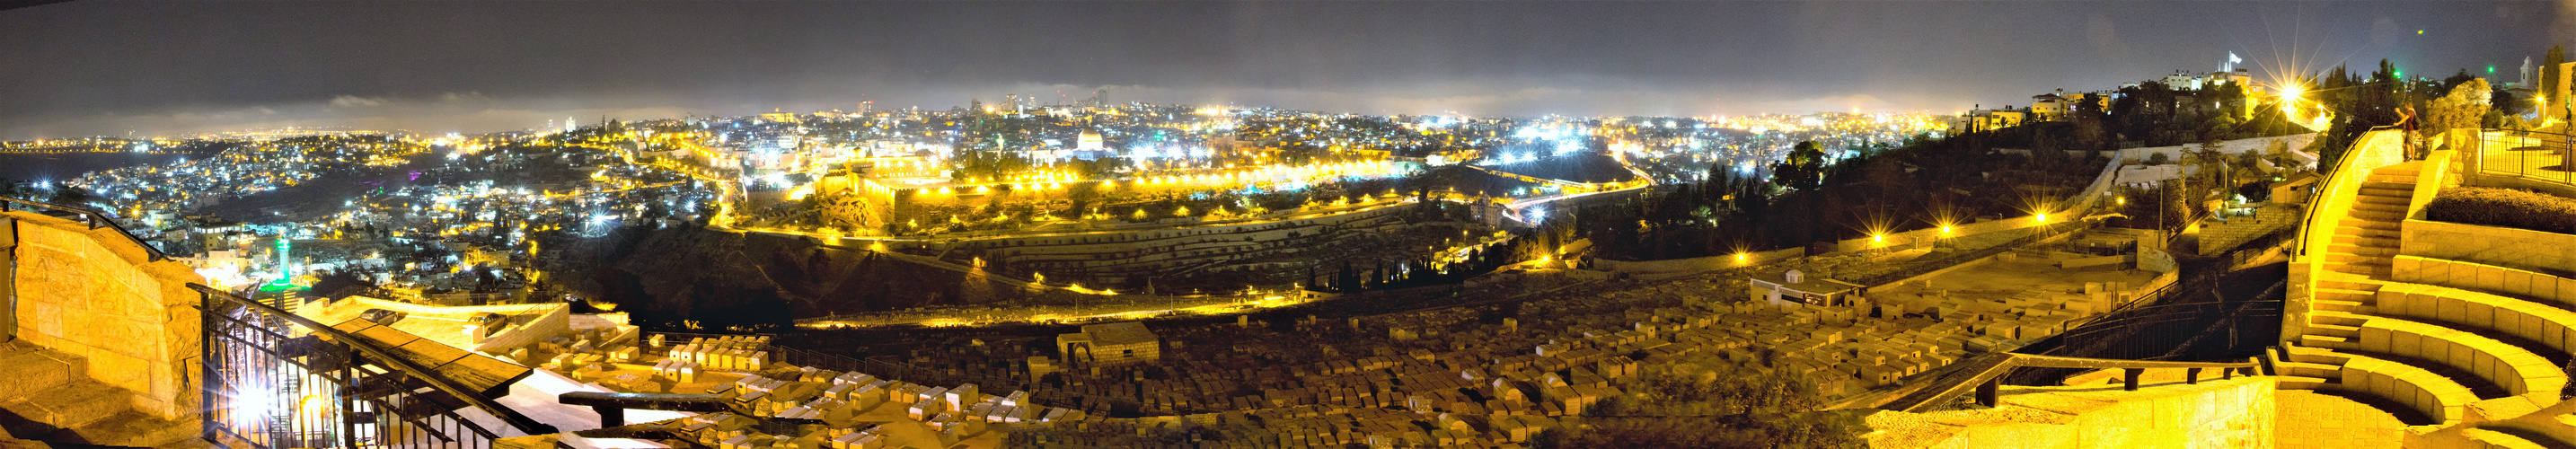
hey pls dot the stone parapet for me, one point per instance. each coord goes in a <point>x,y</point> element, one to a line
<point>2472,276</point>
<point>96,293</point>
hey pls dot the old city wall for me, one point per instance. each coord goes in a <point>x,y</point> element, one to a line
<point>97,294</point>
<point>1107,257</point>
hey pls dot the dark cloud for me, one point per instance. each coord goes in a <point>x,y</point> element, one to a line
<point>110,67</point>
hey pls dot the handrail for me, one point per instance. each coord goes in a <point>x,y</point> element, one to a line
<point>1985,373</point>
<point>406,366</point>
<point>94,219</point>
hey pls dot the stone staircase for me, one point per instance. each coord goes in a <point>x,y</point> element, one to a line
<point>47,399</point>
<point>2365,239</point>
<point>2446,371</point>
<point>2476,365</point>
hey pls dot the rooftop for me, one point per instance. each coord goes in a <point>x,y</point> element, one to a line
<point>1119,333</point>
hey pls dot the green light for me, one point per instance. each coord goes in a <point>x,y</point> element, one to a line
<point>2490,69</point>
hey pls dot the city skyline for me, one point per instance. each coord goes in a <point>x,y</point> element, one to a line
<point>493,67</point>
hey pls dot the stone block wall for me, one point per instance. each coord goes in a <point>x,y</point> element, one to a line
<point>2508,247</point>
<point>2523,284</point>
<point>96,293</point>
<point>1676,267</point>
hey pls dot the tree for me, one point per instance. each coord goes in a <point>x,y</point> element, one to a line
<point>2551,81</point>
<point>1803,170</point>
<point>2211,177</point>
<point>2465,107</point>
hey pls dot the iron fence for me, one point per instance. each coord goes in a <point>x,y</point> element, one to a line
<point>2532,155</point>
<point>271,385</point>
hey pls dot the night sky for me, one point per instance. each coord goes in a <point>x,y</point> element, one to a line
<point>114,68</point>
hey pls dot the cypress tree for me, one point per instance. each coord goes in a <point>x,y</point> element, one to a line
<point>2551,81</point>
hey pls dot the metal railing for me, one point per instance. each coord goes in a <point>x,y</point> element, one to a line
<point>273,386</point>
<point>2533,155</point>
<point>92,218</point>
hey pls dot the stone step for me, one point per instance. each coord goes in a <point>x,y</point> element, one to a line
<point>2431,393</point>
<point>31,369</point>
<point>2327,342</point>
<point>71,404</point>
<point>2359,285</point>
<point>2407,186</point>
<point>2382,199</point>
<point>2378,268</point>
<point>2498,439</point>
<point>2335,318</point>
<point>2337,257</point>
<point>2339,294</point>
<point>2351,307</point>
<point>2382,216</point>
<point>2401,171</point>
<point>2389,179</point>
<point>2371,241</point>
<point>2379,204</point>
<point>2389,229</point>
<point>2315,327</point>
<point>2319,371</point>
<point>2464,356</point>
<point>2300,382</point>
<point>132,429</point>
<point>2368,252</point>
<point>2318,356</point>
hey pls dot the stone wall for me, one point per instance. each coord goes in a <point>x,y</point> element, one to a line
<point>1681,267</point>
<point>1928,236</point>
<point>95,293</point>
<point>2236,413</point>
<point>2505,247</point>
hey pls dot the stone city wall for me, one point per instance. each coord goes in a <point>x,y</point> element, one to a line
<point>1679,267</point>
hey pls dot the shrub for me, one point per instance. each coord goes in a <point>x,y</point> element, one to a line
<point>2504,208</point>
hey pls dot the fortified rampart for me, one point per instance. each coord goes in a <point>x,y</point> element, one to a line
<point>1121,258</point>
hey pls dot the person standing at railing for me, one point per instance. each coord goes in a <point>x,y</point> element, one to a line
<point>2406,122</point>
